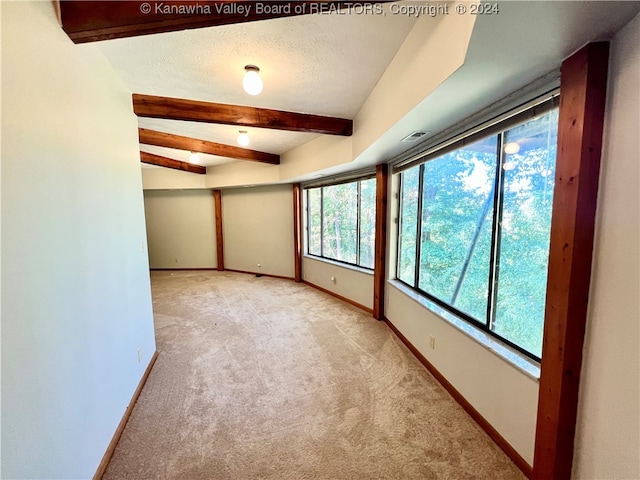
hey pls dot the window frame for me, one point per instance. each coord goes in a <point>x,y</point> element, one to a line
<point>498,129</point>
<point>358,180</point>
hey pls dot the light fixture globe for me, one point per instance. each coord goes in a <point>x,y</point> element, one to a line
<point>243,138</point>
<point>194,157</point>
<point>252,83</point>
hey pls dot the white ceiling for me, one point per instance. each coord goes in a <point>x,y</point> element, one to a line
<point>507,52</point>
<point>319,64</point>
<point>328,65</point>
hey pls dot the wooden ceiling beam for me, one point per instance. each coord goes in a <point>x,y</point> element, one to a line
<point>197,111</point>
<point>170,140</point>
<point>96,20</point>
<point>160,161</point>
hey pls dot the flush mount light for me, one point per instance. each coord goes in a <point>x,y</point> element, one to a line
<point>511,147</point>
<point>243,138</point>
<point>194,157</point>
<point>252,83</point>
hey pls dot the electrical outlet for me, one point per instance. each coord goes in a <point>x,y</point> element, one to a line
<point>259,265</point>
<point>176,259</point>
<point>139,354</point>
<point>333,279</point>
<point>432,342</point>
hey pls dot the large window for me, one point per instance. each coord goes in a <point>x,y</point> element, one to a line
<point>474,230</point>
<point>341,222</point>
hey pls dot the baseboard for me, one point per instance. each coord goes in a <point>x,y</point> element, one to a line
<point>258,273</point>
<point>214,269</point>
<point>340,297</point>
<point>520,462</point>
<point>125,418</point>
<point>182,269</point>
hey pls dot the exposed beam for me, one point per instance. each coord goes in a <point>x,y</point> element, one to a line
<point>96,20</point>
<point>217,204</point>
<point>297,232</point>
<point>380,265</point>
<point>197,111</point>
<point>161,139</point>
<point>160,161</point>
<point>583,86</point>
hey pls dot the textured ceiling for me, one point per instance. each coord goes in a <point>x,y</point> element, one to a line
<point>320,64</point>
<point>328,65</point>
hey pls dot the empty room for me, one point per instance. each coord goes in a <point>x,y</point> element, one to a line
<point>320,240</point>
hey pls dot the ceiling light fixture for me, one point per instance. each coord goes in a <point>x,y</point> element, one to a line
<point>194,157</point>
<point>243,138</point>
<point>252,83</point>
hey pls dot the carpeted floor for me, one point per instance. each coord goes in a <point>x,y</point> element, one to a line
<point>261,378</point>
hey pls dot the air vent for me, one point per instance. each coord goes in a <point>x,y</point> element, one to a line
<point>412,137</point>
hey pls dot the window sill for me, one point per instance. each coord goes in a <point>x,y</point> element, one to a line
<point>339,264</point>
<point>509,355</point>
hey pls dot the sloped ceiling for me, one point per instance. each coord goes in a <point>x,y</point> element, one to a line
<point>319,64</point>
<point>329,65</point>
<point>523,42</point>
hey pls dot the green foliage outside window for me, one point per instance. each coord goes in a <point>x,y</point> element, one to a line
<point>314,207</point>
<point>488,265</point>
<point>341,222</point>
<point>367,222</point>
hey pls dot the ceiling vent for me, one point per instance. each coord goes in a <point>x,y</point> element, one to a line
<point>412,137</point>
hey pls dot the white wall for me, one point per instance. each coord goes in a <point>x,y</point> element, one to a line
<point>608,430</point>
<point>241,173</point>
<point>158,178</point>
<point>258,228</point>
<point>505,396</point>
<point>434,49</point>
<point>76,301</point>
<point>323,152</point>
<point>180,228</point>
<point>351,283</point>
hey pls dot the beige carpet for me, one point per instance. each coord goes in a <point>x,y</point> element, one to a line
<point>262,378</point>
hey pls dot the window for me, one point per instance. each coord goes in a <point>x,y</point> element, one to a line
<point>341,222</point>
<point>474,229</point>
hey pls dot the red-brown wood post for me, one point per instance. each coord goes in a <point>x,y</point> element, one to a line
<point>380,265</point>
<point>582,104</point>
<point>297,232</point>
<point>217,200</point>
